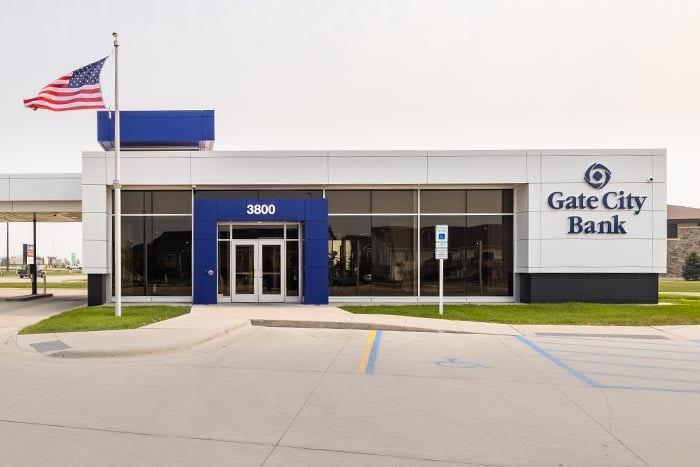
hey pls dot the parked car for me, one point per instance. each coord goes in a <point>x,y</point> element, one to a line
<point>74,267</point>
<point>24,273</point>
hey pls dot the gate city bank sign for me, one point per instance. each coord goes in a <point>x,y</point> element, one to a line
<point>597,176</point>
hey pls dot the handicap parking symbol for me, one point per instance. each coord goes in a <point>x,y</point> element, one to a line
<point>452,362</point>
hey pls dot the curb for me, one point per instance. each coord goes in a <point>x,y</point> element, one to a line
<point>281,323</point>
<point>143,351</point>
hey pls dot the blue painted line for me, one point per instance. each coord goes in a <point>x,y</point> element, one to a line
<point>373,354</point>
<point>558,362</point>
<point>573,344</point>
<point>622,341</point>
<point>654,378</point>
<point>631,365</point>
<point>641,357</point>
<point>642,388</point>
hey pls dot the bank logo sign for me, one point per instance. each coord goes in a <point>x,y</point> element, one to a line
<point>597,176</point>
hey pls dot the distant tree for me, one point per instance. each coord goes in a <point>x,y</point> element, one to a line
<point>691,267</point>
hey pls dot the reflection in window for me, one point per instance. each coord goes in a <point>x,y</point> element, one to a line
<point>394,201</point>
<point>454,267</point>
<point>490,255</point>
<point>489,201</point>
<point>372,256</point>
<point>156,202</point>
<point>480,256</point>
<point>157,256</point>
<point>348,201</point>
<point>393,257</point>
<point>349,256</point>
<point>443,201</point>
<point>292,268</point>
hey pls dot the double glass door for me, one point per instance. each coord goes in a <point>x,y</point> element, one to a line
<point>257,271</point>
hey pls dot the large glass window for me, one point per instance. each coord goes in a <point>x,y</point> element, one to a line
<point>350,255</point>
<point>372,255</point>
<point>393,255</point>
<point>490,255</point>
<point>156,243</point>
<point>489,201</point>
<point>373,242</point>
<point>454,267</point>
<point>349,201</point>
<point>156,202</point>
<point>394,201</point>
<point>443,201</point>
<point>480,256</point>
<point>157,256</point>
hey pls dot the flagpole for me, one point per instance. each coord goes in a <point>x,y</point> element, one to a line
<point>117,189</point>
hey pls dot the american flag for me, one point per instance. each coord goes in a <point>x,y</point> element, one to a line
<point>77,90</point>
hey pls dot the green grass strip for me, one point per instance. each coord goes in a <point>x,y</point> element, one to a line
<point>676,310</point>
<point>101,318</point>
<point>679,286</point>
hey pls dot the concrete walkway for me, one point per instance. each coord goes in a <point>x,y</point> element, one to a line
<point>206,323</point>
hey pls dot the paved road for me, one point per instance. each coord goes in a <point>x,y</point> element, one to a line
<point>300,397</point>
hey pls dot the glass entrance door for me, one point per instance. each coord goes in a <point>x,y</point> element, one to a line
<point>257,271</point>
<point>271,269</point>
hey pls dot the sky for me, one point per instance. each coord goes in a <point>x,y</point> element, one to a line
<point>377,74</point>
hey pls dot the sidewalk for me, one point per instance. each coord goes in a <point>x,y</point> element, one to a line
<point>206,323</point>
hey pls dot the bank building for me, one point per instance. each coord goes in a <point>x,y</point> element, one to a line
<point>213,226</point>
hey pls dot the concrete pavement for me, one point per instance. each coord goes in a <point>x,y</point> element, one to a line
<point>206,323</point>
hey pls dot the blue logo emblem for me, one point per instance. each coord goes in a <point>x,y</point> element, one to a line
<point>441,236</point>
<point>597,176</point>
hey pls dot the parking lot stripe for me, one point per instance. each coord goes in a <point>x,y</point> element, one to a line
<point>631,365</point>
<point>369,345</point>
<point>373,353</point>
<point>556,361</point>
<point>619,347</point>
<point>691,344</point>
<point>640,357</point>
<point>654,378</point>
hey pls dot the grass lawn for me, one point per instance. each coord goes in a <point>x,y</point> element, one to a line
<point>101,318</point>
<point>680,310</point>
<point>679,286</point>
<point>76,284</point>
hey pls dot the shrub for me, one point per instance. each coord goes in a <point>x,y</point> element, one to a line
<point>691,267</point>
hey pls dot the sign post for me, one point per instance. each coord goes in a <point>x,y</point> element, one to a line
<point>441,243</point>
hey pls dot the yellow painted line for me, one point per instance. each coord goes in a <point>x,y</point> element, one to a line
<point>362,369</point>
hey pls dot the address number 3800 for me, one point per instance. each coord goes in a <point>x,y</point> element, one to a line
<point>260,209</point>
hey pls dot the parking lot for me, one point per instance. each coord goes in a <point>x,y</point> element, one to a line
<point>284,396</point>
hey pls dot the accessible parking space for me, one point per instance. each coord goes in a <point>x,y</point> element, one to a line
<point>632,364</point>
<point>435,355</point>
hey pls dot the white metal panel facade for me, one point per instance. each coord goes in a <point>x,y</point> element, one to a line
<point>543,243</point>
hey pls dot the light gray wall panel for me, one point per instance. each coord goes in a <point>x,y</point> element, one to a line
<point>95,257</point>
<point>597,255</point>
<point>572,168</point>
<point>380,170</point>
<point>4,188</point>
<point>152,169</point>
<point>239,170</point>
<point>476,169</point>
<point>94,170</point>
<point>47,187</point>
<point>94,198</point>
